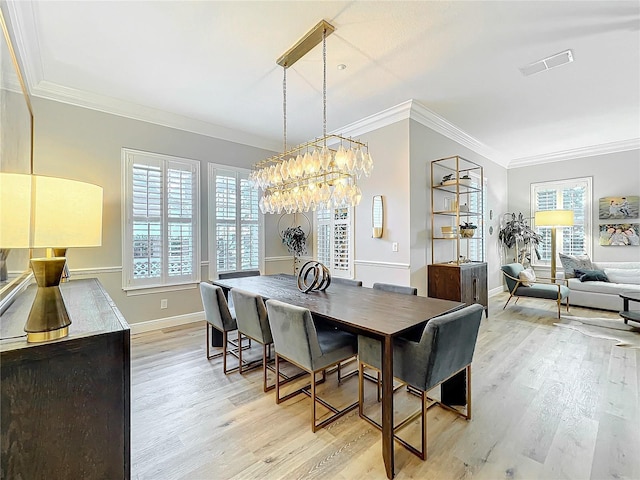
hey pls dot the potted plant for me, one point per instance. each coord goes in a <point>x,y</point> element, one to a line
<point>467,229</point>
<point>295,240</point>
<point>515,232</point>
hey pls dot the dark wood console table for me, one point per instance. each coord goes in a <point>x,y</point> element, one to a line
<point>66,403</point>
<point>626,313</point>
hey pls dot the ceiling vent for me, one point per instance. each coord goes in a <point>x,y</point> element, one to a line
<point>547,63</point>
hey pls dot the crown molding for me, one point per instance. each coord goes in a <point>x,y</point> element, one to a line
<point>26,42</point>
<point>581,152</point>
<point>416,111</point>
<point>441,125</point>
<point>101,103</point>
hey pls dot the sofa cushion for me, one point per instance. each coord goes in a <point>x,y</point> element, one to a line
<point>623,275</point>
<point>591,275</point>
<point>540,290</point>
<point>608,288</point>
<point>571,262</point>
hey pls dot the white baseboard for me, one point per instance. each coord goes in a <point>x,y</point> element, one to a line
<point>496,291</point>
<point>166,322</point>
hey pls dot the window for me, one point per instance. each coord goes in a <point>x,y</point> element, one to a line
<point>235,230</point>
<point>334,240</point>
<point>574,194</point>
<point>161,244</point>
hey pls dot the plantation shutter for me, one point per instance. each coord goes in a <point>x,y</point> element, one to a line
<point>334,230</point>
<point>236,221</point>
<point>160,241</point>
<point>573,195</point>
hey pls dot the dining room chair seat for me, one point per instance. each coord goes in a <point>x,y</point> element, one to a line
<point>297,340</point>
<point>444,350</point>
<point>221,317</point>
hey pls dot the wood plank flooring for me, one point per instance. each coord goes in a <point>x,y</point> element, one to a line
<point>548,403</point>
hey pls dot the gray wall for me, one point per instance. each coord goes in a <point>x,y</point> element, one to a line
<point>614,174</point>
<point>85,145</point>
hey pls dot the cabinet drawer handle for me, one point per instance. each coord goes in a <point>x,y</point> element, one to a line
<point>475,289</point>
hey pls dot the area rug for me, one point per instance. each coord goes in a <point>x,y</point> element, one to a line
<point>610,328</point>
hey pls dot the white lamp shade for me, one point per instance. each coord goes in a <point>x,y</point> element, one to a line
<point>554,218</point>
<point>15,206</point>
<point>62,213</point>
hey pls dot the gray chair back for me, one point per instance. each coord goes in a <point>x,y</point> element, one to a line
<point>245,273</point>
<point>251,315</point>
<point>446,346</point>
<point>512,269</point>
<point>294,333</point>
<point>346,281</point>
<point>216,309</point>
<point>389,287</point>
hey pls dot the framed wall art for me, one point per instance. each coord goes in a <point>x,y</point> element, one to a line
<point>619,207</point>
<point>620,234</point>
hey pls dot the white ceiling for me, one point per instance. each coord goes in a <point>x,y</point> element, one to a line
<point>210,67</point>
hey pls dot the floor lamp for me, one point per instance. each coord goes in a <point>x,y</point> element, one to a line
<point>554,219</point>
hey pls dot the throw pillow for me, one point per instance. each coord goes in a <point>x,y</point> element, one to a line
<point>591,275</point>
<point>623,275</point>
<point>527,277</point>
<point>571,262</point>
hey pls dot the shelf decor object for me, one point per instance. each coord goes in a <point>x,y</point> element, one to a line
<point>554,219</point>
<point>319,173</point>
<point>49,212</point>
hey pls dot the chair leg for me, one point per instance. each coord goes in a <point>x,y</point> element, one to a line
<point>224,352</point>
<point>508,300</point>
<point>423,450</point>
<point>207,326</point>
<point>360,389</point>
<point>264,369</point>
<point>468,415</point>
<point>277,379</point>
<point>313,402</point>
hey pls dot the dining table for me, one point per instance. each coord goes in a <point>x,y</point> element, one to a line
<point>363,311</point>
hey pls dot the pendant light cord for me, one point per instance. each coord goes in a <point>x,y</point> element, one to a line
<point>284,108</point>
<point>324,85</point>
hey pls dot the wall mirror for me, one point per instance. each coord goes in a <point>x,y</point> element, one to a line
<point>377,216</point>
<point>16,137</point>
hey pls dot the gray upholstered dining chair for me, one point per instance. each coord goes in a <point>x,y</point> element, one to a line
<point>445,348</point>
<point>346,281</point>
<point>389,287</point>
<point>222,318</point>
<point>297,340</point>
<point>251,315</point>
<point>539,289</point>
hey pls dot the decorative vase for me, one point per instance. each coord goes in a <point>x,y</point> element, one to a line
<point>467,232</point>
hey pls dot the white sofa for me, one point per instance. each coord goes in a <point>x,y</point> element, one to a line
<point>623,276</point>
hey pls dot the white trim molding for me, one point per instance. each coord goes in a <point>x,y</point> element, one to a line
<point>373,263</point>
<point>95,270</point>
<point>497,290</point>
<point>150,325</point>
<point>590,151</point>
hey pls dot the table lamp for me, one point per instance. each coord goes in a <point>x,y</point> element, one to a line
<point>48,212</point>
<point>554,219</point>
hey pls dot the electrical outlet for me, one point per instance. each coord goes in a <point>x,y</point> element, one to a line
<point>394,246</point>
<point>163,303</point>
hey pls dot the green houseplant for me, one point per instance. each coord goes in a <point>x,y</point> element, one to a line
<point>295,240</point>
<point>516,233</point>
<point>467,229</point>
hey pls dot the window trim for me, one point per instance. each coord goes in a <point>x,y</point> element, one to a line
<point>211,224</point>
<point>588,210</point>
<point>141,288</point>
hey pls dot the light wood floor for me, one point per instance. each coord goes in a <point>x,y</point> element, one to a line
<point>548,403</point>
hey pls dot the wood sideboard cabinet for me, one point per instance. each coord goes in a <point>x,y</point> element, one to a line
<point>465,282</point>
<point>65,404</point>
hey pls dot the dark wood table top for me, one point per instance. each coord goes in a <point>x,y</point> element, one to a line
<point>377,312</point>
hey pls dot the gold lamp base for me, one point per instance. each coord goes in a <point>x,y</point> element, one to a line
<point>48,318</point>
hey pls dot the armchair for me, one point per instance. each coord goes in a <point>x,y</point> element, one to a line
<point>548,290</point>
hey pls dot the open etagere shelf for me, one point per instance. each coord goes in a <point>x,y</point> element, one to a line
<point>454,201</point>
<point>457,270</point>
